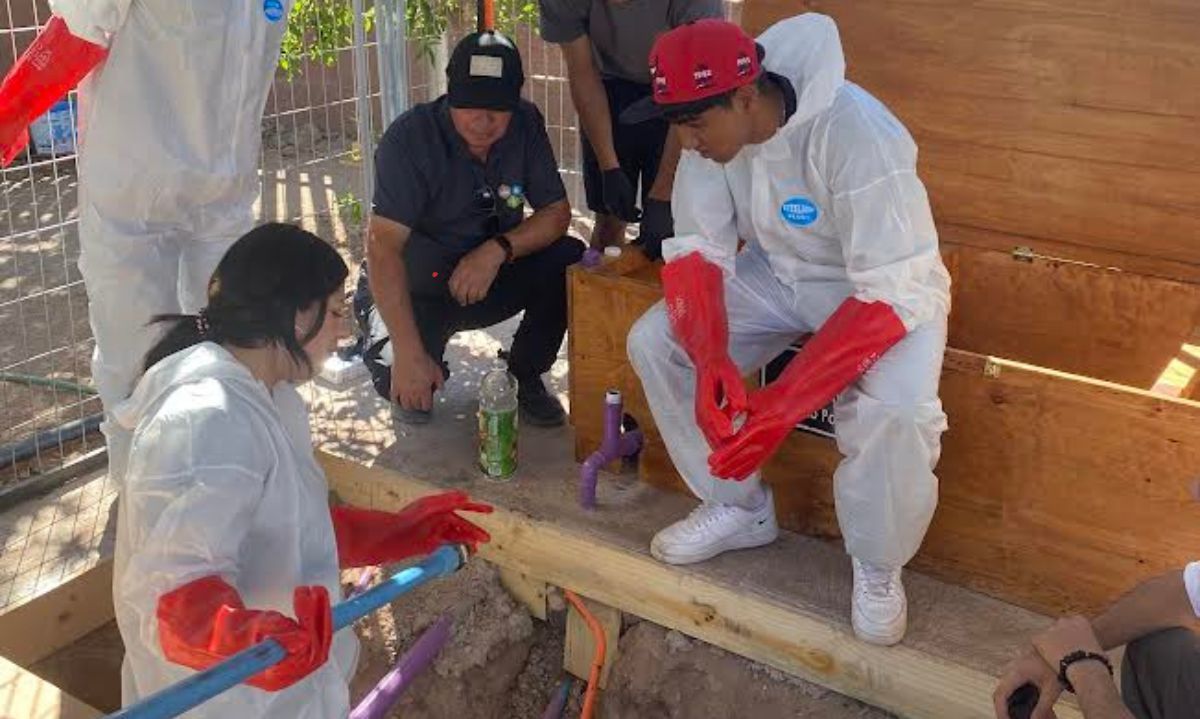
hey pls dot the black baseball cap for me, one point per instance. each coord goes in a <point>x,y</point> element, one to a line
<point>485,73</point>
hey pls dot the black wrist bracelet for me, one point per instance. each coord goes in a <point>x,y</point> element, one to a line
<point>1079,655</point>
<point>506,245</point>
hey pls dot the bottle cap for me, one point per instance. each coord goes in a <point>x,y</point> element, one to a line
<point>612,251</point>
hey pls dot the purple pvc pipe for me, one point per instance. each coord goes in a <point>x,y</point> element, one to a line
<point>558,703</point>
<point>387,692</point>
<point>364,581</point>
<point>591,257</point>
<point>615,444</point>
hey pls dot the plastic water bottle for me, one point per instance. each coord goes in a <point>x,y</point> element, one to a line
<point>498,424</point>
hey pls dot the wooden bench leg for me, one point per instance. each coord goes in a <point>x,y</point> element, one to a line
<point>581,646</point>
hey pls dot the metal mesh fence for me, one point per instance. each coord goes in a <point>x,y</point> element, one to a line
<point>45,341</point>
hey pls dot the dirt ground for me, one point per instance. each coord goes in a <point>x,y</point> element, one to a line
<point>500,663</point>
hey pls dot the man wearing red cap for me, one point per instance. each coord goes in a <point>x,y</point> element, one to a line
<point>819,181</point>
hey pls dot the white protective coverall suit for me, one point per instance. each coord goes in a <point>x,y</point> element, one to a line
<point>168,161</point>
<point>830,207</point>
<point>223,481</point>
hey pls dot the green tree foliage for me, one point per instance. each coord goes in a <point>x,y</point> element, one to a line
<point>318,30</point>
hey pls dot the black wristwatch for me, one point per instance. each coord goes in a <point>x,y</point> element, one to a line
<point>506,245</point>
<point>1079,655</point>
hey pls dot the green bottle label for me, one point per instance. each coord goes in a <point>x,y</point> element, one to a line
<point>498,442</point>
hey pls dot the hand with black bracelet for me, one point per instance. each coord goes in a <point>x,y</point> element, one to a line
<point>1071,648</point>
<point>1071,638</point>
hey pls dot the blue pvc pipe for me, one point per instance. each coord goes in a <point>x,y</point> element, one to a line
<point>197,689</point>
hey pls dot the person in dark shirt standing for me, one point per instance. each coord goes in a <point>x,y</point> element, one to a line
<point>606,44</point>
<point>450,247</point>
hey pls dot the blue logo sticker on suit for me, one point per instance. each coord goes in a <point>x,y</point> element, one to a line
<point>799,211</point>
<point>273,9</point>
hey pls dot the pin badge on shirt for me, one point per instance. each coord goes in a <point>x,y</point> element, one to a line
<point>513,195</point>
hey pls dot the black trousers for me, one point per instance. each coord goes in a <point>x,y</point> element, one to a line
<point>535,284</point>
<point>639,147</point>
<point>1161,676</point>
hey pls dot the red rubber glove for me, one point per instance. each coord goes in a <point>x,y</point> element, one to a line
<point>53,64</point>
<point>846,346</point>
<point>367,537</point>
<point>695,292</point>
<point>205,622</point>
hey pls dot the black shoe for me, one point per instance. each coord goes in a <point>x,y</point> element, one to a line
<point>411,416</point>
<point>538,407</point>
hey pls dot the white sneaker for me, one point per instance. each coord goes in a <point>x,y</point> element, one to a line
<point>879,608</point>
<point>715,528</point>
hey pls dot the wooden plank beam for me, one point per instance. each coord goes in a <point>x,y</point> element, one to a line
<point>40,626</point>
<point>529,591</point>
<point>580,648</point>
<point>24,695</point>
<point>768,625</point>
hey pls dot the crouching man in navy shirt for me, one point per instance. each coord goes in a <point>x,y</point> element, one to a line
<point>450,245</point>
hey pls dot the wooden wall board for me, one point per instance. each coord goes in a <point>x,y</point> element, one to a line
<point>1061,488</point>
<point>1068,123</point>
<point>1047,249</point>
<point>1111,325</point>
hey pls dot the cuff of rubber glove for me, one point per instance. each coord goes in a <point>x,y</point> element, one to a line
<point>680,246</point>
<point>85,23</point>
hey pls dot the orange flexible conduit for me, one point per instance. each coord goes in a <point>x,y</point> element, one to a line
<point>593,687</point>
<point>487,15</point>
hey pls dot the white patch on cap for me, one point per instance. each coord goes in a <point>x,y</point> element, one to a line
<point>487,66</point>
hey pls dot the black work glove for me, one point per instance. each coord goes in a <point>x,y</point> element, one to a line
<point>620,196</point>
<point>657,225</point>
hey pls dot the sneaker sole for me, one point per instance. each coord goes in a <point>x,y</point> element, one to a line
<point>882,639</point>
<point>748,540</point>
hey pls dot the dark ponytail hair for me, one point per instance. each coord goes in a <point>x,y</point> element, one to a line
<point>267,277</point>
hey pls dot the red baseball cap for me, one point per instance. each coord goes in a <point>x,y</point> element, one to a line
<point>695,62</point>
